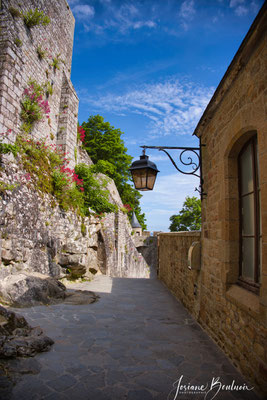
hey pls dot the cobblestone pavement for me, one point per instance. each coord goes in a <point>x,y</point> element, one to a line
<point>134,343</point>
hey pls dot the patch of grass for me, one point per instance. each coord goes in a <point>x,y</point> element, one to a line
<point>40,52</point>
<point>34,18</point>
<point>18,42</point>
<point>6,148</point>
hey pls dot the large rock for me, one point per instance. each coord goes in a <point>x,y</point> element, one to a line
<point>27,290</point>
<point>18,338</point>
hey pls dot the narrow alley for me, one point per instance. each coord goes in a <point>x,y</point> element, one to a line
<point>136,343</point>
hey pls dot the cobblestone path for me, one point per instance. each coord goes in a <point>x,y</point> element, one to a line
<point>134,344</point>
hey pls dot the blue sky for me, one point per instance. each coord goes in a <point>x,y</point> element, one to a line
<point>150,67</point>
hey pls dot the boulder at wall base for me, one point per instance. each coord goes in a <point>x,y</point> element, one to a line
<point>24,290</point>
<point>75,271</point>
<point>18,338</point>
<point>75,265</point>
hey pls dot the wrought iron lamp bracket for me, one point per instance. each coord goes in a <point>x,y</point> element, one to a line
<point>196,166</point>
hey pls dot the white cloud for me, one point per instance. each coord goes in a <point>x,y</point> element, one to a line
<point>187,12</point>
<point>241,10</point>
<point>121,17</point>
<point>83,11</point>
<point>234,3</point>
<point>154,158</point>
<point>141,24</point>
<point>241,7</point>
<point>171,107</point>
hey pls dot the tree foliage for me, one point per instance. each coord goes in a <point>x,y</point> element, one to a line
<point>189,218</point>
<point>106,148</point>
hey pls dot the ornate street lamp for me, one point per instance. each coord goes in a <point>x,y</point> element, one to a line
<point>144,171</point>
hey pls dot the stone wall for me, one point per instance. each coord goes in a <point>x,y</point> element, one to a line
<point>173,267</point>
<point>19,63</point>
<point>148,246</point>
<point>235,317</point>
<point>123,259</point>
<point>38,236</point>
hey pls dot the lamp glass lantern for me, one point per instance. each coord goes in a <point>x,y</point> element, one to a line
<point>144,173</point>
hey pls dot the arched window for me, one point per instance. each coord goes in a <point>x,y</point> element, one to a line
<point>250,218</point>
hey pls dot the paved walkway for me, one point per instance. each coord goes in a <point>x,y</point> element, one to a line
<point>134,344</point>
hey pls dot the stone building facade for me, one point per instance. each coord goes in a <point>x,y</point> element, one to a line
<point>228,296</point>
<point>20,62</point>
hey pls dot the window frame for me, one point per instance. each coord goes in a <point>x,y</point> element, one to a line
<point>242,281</point>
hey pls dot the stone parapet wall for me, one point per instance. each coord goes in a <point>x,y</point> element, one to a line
<point>173,267</point>
<point>18,64</point>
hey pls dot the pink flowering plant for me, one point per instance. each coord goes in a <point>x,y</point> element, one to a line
<point>46,167</point>
<point>80,133</point>
<point>126,208</point>
<point>34,107</point>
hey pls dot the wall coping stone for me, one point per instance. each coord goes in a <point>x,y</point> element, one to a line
<point>181,233</point>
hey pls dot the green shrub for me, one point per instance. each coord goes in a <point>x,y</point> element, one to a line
<point>6,148</point>
<point>56,62</point>
<point>48,89</point>
<point>66,192</point>
<point>95,196</point>
<point>5,186</point>
<point>18,42</point>
<point>41,53</point>
<point>33,107</point>
<point>38,161</point>
<point>35,17</point>
<point>47,170</point>
<point>83,229</point>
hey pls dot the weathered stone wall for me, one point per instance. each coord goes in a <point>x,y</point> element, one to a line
<point>18,64</point>
<point>147,246</point>
<point>123,259</point>
<point>37,236</point>
<point>235,317</point>
<point>173,267</point>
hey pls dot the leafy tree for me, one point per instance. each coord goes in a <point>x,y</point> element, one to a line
<point>104,145</point>
<point>189,218</point>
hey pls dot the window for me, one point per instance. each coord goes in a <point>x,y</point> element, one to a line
<point>250,219</point>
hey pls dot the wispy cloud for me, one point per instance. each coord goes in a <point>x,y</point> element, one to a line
<point>83,11</point>
<point>171,107</point>
<point>187,13</point>
<point>121,17</point>
<point>243,7</point>
<point>73,2</point>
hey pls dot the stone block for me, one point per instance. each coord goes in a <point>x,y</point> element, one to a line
<point>75,247</point>
<point>8,255</point>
